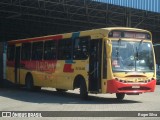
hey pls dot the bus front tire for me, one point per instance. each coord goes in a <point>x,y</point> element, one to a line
<point>83,90</point>
<point>120,96</point>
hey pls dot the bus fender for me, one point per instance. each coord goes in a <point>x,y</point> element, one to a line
<point>77,81</point>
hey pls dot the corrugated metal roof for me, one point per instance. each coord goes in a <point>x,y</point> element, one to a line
<point>149,5</point>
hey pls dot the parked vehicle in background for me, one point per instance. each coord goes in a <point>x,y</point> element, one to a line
<point>158,74</point>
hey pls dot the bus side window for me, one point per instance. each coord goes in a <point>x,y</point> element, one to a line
<point>11,52</point>
<point>65,49</point>
<point>37,51</point>
<point>50,48</point>
<point>81,48</point>
<point>26,51</point>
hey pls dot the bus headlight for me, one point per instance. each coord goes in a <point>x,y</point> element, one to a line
<point>119,80</point>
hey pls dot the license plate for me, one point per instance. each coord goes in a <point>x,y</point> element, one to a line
<point>136,86</point>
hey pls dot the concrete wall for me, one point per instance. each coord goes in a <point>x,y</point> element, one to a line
<point>1,64</point>
<point>3,49</point>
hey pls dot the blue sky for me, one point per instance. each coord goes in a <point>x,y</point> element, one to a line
<point>149,5</point>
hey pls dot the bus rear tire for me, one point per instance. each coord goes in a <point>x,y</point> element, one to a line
<point>83,90</point>
<point>120,96</point>
<point>37,88</point>
<point>29,83</point>
<point>60,90</point>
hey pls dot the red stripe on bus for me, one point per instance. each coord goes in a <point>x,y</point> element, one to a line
<point>10,63</point>
<point>48,66</point>
<point>58,37</point>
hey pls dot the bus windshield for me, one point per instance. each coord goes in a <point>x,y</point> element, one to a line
<point>132,56</point>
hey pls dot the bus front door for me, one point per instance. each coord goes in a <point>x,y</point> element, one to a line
<point>17,65</point>
<point>95,65</point>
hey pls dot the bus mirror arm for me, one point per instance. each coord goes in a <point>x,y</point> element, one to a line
<point>108,44</point>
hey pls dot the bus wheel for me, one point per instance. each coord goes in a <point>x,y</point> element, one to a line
<point>29,83</point>
<point>120,96</point>
<point>37,88</point>
<point>60,90</point>
<point>83,90</point>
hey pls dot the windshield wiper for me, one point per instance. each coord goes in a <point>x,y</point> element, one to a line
<point>137,54</point>
<point>117,49</point>
<point>137,49</point>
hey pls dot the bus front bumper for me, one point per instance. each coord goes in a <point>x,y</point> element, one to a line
<point>114,86</point>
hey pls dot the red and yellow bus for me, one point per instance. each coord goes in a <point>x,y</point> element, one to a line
<point>108,60</point>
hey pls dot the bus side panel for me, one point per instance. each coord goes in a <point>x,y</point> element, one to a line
<point>38,78</point>
<point>64,79</point>
<point>23,73</point>
<point>66,73</point>
<point>10,72</point>
<point>41,71</point>
<point>43,75</point>
<point>81,67</point>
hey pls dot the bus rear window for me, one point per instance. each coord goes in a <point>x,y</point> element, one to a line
<point>11,52</point>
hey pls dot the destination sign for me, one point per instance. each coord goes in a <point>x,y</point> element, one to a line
<point>129,34</point>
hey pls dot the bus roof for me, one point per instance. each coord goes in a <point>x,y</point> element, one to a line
<point>60,36</point>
